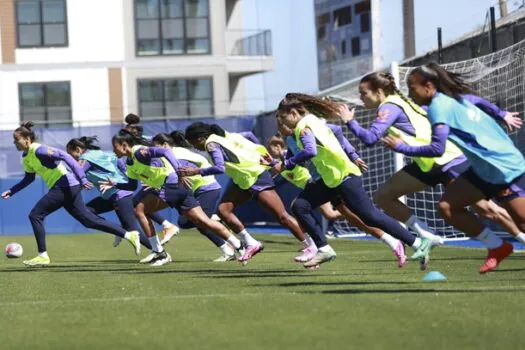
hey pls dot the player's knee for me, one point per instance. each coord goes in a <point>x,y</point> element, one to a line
<point>381,197</point>
<point>301,206</point>
<point>445,209</point>
<point>285,219</point>
<point>139,212</point>
<point>33,216</point>
<point>223,211</point>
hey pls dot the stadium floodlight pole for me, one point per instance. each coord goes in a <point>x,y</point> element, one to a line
<point>493,46</point>
<point>440,46</point>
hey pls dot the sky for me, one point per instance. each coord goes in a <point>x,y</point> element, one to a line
<point>294,45</point>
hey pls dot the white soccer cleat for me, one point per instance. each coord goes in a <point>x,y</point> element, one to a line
<point>225,258</point>
<point>148,258</point>
<point>161,259</point>
<point>321,258</point>
<point>169,233</point>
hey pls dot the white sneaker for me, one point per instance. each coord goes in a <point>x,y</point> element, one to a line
<point>169,233</point>
<point>117,241</point>
<point>321,258</point>
<point>225,257</point>
<point>438,240</point>
<point>215,217</point>
<point>148,258</point>
<point>161,259</point>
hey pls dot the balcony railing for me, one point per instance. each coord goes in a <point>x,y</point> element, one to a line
<point>258,44</point>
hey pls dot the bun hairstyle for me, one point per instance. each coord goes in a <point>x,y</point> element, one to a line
<point>84,142</point>
<point>26,130</point>
<point>132,119</point>
<point>133,124</point>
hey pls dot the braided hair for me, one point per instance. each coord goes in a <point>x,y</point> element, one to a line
<point>387,83</point>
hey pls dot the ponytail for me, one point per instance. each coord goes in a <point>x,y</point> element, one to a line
<point>449,83</point>
<point>26,130</point>
<point>179,140</point>
<point>217,130</point>
<point>84,142</point>
<point>304,104</point>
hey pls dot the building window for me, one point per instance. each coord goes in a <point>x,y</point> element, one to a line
<point>342,16</point>
<point>41,23</point>
<point>160,98</point>
<point>363,6</point>
<point>321,21</point>
<point>356,46</point>
<point>365,22</point>
<point>172,27</point>
<point>46,104</point>
<point>343,48</point>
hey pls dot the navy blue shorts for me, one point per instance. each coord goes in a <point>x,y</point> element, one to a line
<point>208,201</point>
<point>179,198</point>
<point>264,182</point>
<point>436,176</point>
<point>500,192</point>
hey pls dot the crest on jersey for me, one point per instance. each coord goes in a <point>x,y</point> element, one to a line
<point>382,115</point>
<point>144,152</point>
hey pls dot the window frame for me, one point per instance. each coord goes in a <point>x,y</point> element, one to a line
<point>43,84</point>
<point>186,80</point>
<point>159,19</point>
<point>41,24</point>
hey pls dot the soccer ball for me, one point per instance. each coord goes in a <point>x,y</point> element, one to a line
<point>13,250</point>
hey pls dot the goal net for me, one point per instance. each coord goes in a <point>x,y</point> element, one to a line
<point>498,77</point>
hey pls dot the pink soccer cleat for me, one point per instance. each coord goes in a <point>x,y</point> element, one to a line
<point>399,252</point>
<point>308,254</point>
<point>251,251</point>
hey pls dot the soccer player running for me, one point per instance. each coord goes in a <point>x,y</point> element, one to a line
<point>101,166</point>
<point>399,116</point>
<point>205,189</point>
<point>340,177</point>
<point>497,166</point>
<point>239,157</point>
<point>64,191</point>
<point>157,167</point>
<point>169,229</point>
<point>301,176</point>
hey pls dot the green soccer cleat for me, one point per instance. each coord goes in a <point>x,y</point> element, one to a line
<point>134,240</point>
<point>423,251</point>
<point>37,261</point>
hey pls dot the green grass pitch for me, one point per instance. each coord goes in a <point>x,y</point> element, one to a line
<point>94,296</point>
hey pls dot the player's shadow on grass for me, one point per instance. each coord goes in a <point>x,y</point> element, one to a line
<point>220,273</point>
<point>415,291</point>
<point>341,283</point>
<point>280,243</point>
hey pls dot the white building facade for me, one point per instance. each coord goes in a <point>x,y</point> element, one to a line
<point>77,62</point>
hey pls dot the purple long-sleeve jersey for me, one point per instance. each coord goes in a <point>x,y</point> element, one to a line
<point>51,158</point>
<point>151,156</point>
<point>310,147</point>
